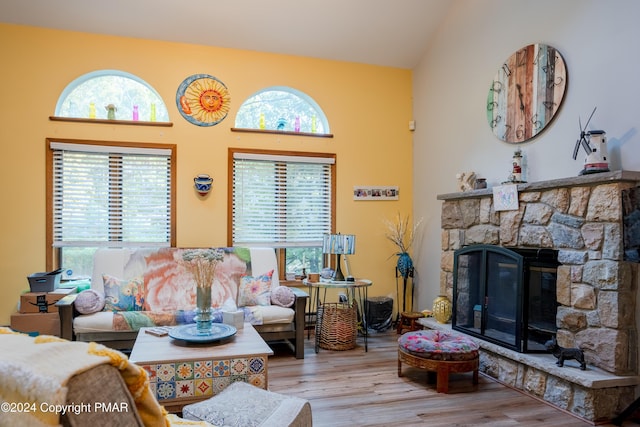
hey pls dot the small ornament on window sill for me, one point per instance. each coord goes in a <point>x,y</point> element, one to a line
<point>111,111</point>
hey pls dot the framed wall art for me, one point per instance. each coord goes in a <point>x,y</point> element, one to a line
<point>505,197</point>
<point>375,193</point>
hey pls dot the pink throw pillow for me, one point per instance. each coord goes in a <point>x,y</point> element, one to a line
<point>255,290</point>
<point>89,301</point>
<point>283,296</point>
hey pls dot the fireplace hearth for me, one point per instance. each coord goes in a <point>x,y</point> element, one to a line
<point>506,295</point>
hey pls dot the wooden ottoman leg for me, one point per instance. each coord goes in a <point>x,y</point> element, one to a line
<point>474,365</point>
<point>399,367</point>
<point>442,384</point>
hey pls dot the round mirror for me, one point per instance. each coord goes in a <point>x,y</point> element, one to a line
<point>526,93</point>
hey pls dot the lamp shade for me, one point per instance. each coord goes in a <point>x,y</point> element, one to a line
<point>344,244</point>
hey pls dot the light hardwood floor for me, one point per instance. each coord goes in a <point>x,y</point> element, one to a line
<point>354,388</point>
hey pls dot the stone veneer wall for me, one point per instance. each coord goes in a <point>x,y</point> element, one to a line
<point>582,218</point>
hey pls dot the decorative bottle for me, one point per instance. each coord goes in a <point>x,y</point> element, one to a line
<point>136,117</point>
<point>152,116</point>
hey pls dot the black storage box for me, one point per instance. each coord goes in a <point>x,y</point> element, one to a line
<point>45,282</point>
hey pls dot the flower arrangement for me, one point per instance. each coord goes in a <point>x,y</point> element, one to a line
<point>400,234</point>
<point>202,264</point>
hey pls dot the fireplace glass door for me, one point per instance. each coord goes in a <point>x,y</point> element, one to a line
<point>487,294</point>
<point>505,296</point>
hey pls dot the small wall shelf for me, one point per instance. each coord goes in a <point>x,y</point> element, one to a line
<point>109,122</point>
<point>283,132</point>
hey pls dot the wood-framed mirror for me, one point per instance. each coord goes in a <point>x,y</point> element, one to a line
<point>526,93</point>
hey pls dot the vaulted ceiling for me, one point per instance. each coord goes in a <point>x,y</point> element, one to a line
<point>380,32</point>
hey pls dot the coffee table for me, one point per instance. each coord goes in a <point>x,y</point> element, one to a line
<point>182,373</point>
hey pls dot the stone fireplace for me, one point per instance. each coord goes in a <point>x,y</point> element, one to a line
<point>581,219</point>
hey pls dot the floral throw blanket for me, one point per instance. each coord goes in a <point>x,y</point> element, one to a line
<point>134,320</point>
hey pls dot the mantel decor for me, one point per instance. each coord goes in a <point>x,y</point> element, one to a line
<point>526,93</point>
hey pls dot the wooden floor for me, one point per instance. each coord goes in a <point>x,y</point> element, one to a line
<point>354,388</point>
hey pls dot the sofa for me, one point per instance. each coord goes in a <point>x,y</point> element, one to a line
<point>138,287</point>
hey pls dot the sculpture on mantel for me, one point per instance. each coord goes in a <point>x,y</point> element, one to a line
<point>563,354</point>
<point>595,145</point>
<point>466,180</point>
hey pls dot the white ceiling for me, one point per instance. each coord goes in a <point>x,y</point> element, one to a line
<point>380,32</point>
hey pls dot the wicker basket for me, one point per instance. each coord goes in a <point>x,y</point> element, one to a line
<point>337,326</point>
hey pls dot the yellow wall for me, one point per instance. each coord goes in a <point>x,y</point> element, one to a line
<point>368,108</point>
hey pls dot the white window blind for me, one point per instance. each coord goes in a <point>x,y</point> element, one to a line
<point>111,196</point>
<point>281,201</point>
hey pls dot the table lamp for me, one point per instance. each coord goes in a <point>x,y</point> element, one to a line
<point>339,244</point>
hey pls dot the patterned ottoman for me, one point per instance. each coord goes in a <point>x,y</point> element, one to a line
<point>243,405</point>
<point>440,352</point>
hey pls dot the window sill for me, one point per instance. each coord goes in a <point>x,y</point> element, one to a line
<point>109,122</point>
<point>282,132</point>
<point>293,283</point>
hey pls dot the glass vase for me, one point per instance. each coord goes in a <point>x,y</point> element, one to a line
<point>203,310</point>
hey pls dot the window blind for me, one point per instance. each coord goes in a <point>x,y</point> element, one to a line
<point>281,201</point>
<point>111,196</point>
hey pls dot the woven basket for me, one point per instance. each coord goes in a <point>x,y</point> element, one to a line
<point>338,326</point>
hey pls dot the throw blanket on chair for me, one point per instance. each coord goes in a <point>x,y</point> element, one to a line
<point>34,372</point>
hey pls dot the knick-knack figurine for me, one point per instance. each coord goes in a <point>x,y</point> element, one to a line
<point>111,111</point>
<point>517,166</point>
<point>516,174</point>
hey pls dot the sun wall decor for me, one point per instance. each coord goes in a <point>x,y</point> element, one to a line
<point>203,100</point>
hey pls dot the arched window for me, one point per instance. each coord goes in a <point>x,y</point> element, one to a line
<point>282,108</point>
<point>92,95</point>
